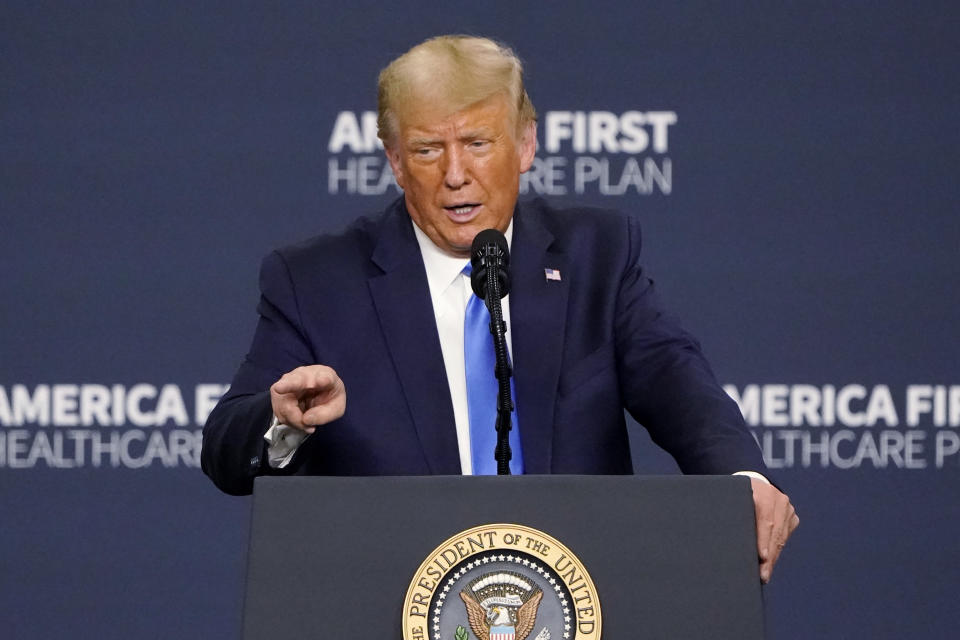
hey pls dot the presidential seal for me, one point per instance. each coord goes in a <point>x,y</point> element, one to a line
<point>501,582</point>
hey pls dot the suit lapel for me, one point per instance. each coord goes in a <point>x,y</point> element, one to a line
<point>402,300</point>
<point>538,309</point>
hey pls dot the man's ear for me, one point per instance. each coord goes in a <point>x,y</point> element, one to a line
<point>393,157</point>
<point>528,146</point>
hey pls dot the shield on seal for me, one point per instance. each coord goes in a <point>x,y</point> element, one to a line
<point>501,633</point>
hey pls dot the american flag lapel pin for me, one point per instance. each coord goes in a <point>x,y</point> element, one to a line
<point>552,274</point>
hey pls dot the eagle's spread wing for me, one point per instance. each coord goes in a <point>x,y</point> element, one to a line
<point>527,616</point>
<point>476,615</point>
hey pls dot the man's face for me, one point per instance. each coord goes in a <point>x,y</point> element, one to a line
<point>460,173</point>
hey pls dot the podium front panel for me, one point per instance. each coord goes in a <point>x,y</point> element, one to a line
<point>670,556</point>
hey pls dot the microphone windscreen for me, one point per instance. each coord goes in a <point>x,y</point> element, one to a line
<point>490,237</point>
<point>489,249</point>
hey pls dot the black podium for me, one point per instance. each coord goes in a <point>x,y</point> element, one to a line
<point>671,557</point>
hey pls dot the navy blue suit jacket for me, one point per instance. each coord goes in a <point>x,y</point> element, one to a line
<point>584,348</point>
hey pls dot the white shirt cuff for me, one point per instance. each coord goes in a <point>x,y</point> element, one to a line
<point>752,474</point>
<point>282,442</point>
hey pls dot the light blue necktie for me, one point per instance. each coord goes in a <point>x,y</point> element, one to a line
<point>479,360</point>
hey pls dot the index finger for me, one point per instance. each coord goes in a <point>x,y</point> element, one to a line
<point>315,377</point>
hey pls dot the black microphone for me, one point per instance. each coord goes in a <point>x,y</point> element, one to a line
<point>489,251</point>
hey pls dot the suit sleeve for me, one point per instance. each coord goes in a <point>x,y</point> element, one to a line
<point>667,385</point>
<point>234,451</point>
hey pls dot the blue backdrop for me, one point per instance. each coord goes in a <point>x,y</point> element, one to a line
<point>794,169</point>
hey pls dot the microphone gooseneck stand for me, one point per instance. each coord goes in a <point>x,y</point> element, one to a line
<point>503,371</point>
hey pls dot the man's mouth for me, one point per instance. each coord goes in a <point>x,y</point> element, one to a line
<point>463,210</point>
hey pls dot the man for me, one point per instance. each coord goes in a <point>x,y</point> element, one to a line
<point>379,311</point>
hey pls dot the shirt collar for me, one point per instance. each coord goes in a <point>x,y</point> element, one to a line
<point>443,269</point>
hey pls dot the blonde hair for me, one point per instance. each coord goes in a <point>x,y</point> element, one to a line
<point>451,73</point>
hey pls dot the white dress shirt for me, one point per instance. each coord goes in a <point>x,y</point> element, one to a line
<point>450,292</point>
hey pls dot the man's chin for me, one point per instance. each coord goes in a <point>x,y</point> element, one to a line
<point>457,239</point>
<point>460,250</point>
<point>460,240</point>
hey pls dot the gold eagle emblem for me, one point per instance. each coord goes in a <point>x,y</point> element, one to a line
<point>502,604</point>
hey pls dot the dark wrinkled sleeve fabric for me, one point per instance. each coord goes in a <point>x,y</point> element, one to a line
<point>234,451</point>
<point>668,386</point>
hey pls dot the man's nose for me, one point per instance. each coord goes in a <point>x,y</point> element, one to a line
<point>456,171</point>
